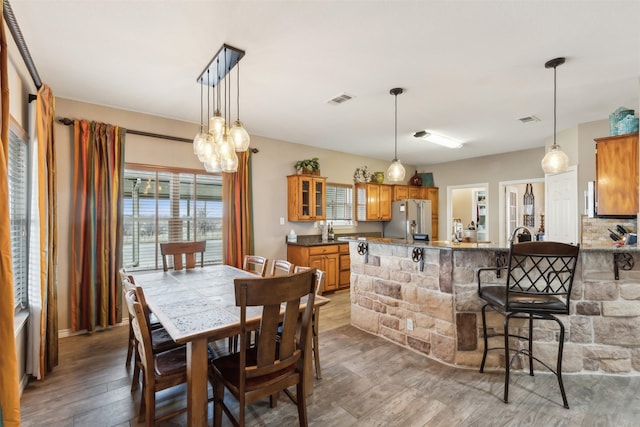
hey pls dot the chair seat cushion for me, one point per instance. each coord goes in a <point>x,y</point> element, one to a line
<point>497,297</point>
<point>229,368</point>
<point>162,341</point>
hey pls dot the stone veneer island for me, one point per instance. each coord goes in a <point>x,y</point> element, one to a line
<point>388,288</point>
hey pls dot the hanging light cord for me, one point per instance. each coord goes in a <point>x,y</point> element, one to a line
<point>395,152</point>
<point>208,97</point>
<point>554,105</point>
<point>201,108</point>
<point>238,91</point>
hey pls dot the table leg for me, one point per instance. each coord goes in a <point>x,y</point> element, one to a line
<point>197,382</point>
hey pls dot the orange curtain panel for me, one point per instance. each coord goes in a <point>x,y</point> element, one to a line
<point>47,210</point>
<point>237,218</point>
<point>96,225</point>
<point>9,395</point>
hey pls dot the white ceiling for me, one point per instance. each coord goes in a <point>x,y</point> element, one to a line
<point>469,68</point>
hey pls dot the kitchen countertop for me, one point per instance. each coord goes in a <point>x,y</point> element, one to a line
<point>485,246</point>
<point>316,240</point>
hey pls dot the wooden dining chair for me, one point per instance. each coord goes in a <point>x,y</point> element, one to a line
<point>160,370</point>
<point>277,361</point>
<point>281,267</point>
<point>177,250</point>
<point>255,264</point>
<point>315,319</point>
<point>160,338</point>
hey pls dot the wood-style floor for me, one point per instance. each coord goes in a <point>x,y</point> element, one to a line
<point>366,381</point>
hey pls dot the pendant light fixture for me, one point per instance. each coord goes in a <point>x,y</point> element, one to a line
<point>238,133</point>
<point>217,149</point>
<point>395,173</point>
<point>555,161</point>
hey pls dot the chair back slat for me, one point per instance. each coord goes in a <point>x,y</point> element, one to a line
<point>183,254</point>
<point>255,264</point>
<point>281,267</point>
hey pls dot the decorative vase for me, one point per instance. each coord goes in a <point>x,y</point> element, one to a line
<point>378,177</point>
<point>416,180</point>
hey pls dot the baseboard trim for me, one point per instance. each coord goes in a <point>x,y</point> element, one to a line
<point>64,333</point>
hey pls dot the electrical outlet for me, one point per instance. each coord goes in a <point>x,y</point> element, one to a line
<point>281,220</point>
<point>409,324</point>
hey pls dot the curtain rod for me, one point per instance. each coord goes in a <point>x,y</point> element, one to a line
<point>14,29</point>
<point>69,122</point>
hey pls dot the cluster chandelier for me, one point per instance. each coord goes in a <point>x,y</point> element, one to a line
<point>555,161</point>
<point>216,146</point>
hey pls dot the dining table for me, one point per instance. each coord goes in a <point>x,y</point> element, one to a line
<point>197,306</point>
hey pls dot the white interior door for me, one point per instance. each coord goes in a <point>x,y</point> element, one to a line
<point>561,218</point>
<point>511,211</point>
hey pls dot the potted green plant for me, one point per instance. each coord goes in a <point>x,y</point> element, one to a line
<point>308,166</point>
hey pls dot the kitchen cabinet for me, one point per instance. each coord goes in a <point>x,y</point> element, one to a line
<point>400,192</point>
<point>373,202</point>
<point>306,198</point>
<point>616,192</point>
<point>325,258</point>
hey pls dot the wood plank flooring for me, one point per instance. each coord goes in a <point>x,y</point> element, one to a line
<point>366,381</point>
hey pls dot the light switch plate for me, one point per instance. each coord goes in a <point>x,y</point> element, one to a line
<point>409,324</point>
<point>281,220</point>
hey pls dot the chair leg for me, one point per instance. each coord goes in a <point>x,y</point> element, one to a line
<point>484,336</point>
<point>530,344</point>
<point>218,396</point>
<point>302,404</point>
<point>507,358</point>
<point>315,344</point>
<point>559,365</point>
<point>130,346</point>
<point>135,379</point>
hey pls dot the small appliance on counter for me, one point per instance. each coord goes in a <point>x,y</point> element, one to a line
<point>410,220</point>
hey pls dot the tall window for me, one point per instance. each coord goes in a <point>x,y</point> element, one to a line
<point>169,206</point>
<point>339,202</point>
<point>18,191</point>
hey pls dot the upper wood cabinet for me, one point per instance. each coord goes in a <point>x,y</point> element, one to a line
<point>432,194</point>
<point>306,198</point>
<point>400,192</point>
<point>373,202</point>
<point>617,175</point>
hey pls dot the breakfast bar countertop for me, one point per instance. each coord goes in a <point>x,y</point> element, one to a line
<point>482,246</point>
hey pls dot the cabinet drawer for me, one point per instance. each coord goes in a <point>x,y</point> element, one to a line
<point>344,248</point>
<point>322,250</point>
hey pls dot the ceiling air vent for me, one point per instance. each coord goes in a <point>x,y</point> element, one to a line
<point>340,99</point>
<point>529,119</point>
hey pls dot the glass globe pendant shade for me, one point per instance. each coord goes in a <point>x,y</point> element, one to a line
<point>555,161</point>
<point>208,149</point>
<point>230,163</point>
<point>216,124</point>
<point>212,164</point>
<point>239,136</point>
<point>395,173</point>
<point>198,144</point>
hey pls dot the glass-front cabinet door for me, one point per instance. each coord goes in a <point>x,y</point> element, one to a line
<point>306,198</point>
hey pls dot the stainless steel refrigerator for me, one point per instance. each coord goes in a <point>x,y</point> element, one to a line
<point>407,217</point>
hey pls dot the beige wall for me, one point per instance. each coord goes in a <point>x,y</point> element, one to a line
<point>270,166</point>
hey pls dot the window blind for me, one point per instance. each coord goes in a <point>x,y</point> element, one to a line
<point>339,202</point>
<point>18,191</point>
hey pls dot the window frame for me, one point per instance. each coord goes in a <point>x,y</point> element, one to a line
<point>348,205</point>
<point>174,208</point>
